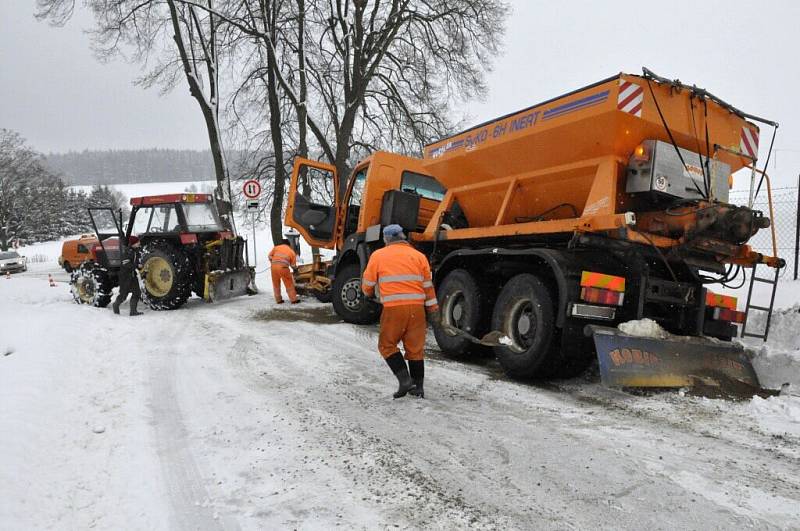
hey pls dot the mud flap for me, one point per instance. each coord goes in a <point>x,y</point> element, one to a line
<point>630,361</point>
<point>222,285</point>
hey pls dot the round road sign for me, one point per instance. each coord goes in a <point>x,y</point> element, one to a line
<point>251,189</point>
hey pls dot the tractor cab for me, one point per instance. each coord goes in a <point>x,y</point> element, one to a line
<point>186,216</point>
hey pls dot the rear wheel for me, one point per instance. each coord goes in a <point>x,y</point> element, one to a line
<point>166,276</point>
<point>91,284</point>
<point>349,301</point>
<point>322,296</point>
<point>460,300</point>
<point>524,313</point>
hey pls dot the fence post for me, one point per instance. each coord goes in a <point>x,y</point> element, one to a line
<point>797,229</point>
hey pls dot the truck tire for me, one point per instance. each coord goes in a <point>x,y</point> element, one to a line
<point>460,300</point>
<point>524,312</point>
<point>91,284</point>
<point>349,301</point>
<point>166,276</point>
<point>322,296</point>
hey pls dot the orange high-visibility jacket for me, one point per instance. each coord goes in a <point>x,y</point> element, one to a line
<point>402,275</point>
<point>282,255</point>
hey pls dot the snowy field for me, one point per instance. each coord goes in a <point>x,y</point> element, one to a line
<point>247,415</point>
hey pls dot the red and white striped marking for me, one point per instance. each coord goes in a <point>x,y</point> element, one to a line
<point>630,99</point>
<point>749,142</point>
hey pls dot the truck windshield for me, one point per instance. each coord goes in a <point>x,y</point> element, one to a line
<point>8,255</point>
<point>201,217</point>
<point>422,185</point>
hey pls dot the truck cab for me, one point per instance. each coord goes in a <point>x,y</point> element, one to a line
<point>382,189</point>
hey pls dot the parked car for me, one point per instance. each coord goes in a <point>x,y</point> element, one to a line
<point>12,262</point>
<point>75,252</point>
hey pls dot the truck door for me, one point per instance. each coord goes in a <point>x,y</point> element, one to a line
<point>313,202</point>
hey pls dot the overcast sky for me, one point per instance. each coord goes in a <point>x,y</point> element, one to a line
<point>60,97</point>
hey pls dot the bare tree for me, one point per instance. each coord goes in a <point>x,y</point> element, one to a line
<point>388,70</point>
<point>147,27</point>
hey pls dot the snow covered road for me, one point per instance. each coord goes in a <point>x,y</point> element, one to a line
<point>245,415</point>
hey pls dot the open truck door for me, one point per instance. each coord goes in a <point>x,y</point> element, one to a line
<point>313,202</point>
<point>107,225</point>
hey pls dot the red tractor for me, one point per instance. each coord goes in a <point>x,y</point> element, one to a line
<point>184,249</point>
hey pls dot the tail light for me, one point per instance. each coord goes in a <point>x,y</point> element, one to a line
<point>599,288</point>
<point>723,308</point>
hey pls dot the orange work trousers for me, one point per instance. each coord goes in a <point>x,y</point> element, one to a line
<point>404,323</point>
<point>281,272</point>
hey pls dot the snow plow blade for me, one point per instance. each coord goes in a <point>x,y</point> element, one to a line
<point>222,285</point>
<point>692,362</point>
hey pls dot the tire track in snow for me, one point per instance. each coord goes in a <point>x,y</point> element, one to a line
<point>184,485</point>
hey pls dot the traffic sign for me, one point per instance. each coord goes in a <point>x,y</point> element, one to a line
<point>251,189</point>
<point>253,205</point>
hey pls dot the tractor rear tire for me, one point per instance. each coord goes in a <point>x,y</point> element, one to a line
<point>349,301</point>
<point>91,284</point>
<point>166,274</point>
<point>525,313</point>
<point>462,306</point>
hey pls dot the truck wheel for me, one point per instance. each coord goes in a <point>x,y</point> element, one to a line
<point>524,313</point>
<point>166,276</point>
<point>348,299</point>
<point>91,284</point>
<point>460,302</point>
<point>322,296</point>
<point>67,267</point>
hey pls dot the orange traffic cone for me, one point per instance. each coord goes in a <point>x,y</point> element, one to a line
<point>8,275</point>
<point>52,282</point>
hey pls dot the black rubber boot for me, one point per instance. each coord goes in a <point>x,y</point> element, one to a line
<point>134,310</point>
<point>400,370</point>
<point>417,370</point>
<point>115,307</point>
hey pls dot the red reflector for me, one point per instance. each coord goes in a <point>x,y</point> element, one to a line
<point>186,239</point>
<point>602,296</point>
<point>732,316</point>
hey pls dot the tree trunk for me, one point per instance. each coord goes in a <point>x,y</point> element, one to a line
<point>210,117</point>
<point>276,134</point>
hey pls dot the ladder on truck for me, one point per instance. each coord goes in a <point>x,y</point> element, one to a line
<point>761,308</point>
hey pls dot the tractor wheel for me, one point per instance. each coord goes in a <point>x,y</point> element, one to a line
<point>91,284</point>
<point>348,299</point>
<point>166,276</point>
<point>524,312</point>
<point>462,307</point>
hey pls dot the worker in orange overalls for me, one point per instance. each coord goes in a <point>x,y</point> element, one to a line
<point>283,259</point>
<point>402,277</point>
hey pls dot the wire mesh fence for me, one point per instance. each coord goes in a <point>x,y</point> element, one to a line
<point>785,203</point>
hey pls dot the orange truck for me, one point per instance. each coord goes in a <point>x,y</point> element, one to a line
<point>552,225</point>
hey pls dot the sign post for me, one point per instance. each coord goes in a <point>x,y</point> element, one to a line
<point>252,190</point>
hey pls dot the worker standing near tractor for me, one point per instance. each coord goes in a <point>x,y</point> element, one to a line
<point>283,259</point>
<point>401,276</point>
<point>128,281</point>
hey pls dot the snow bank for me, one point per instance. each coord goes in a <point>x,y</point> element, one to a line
<point>643,328</point>
<point>778,415</point>
<point>778,361</point>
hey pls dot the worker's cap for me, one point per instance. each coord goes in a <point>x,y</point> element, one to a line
<point>392,230</point>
